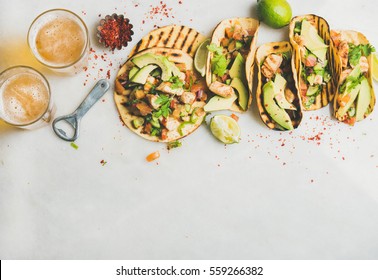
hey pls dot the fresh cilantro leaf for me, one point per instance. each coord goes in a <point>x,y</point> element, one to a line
<point>215,49</point>
<point>219,65</point>
<point>176,82</point>
<point>219,62</point>
<point>164,109</point>
<point>162,99</point>
<point>351,82</point>
<point>367,49</point>
<point>355,52</point>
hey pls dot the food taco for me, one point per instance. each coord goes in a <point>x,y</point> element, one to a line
<point>159,96</point>
<point>172,36</point>
<point>355,97</point>
<point>230,62</point>
<point>277,96</point>
<point>313,60</point>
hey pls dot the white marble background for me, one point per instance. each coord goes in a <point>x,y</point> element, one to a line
<point>273,196</point>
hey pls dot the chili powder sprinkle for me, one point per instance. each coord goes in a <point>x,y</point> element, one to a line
<point>115,31</point>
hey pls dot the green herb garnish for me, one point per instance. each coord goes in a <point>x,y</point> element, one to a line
<point>174,144</point>
<point>219,62</point>
<point>355,52</point>
<point>215,49</point>
<point>73,145</point>
<point>164,109</point>
<point>352,82</point>
<point>176,82</point>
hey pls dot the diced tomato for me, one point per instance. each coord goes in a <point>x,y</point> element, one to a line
<point>153,156</point>
<point>164,134</point>
<point>173,104</point>
<point>235,117</point>
<point>350,121</point>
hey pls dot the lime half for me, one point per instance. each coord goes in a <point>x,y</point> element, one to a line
<point>274,13</point>
<point>375,67</point>
<point>200,57</point>
<point>225,129</point>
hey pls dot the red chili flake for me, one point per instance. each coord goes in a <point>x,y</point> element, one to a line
<point>115,31</point>
<point>103,162</point>
<point>108,74</point>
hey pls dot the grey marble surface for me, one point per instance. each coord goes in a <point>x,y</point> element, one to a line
<point>273,196</point>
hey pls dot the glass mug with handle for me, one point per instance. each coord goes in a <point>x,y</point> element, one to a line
<point>25,98</point>
<point>59,40</point>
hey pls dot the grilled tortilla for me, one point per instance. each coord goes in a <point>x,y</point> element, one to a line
<point>275,65</point>
<point>161,109</point>
<point>235,36</point>
<point>355,98</point>
<point>315,91</point>
<point>172,36</point>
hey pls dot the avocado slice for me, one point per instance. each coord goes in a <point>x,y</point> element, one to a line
<point>353,94</point>
<point>149,58</point>
<point>313,41</point>
<point>172,66</point>
<point>279,93</point>
<point>237,69</point>
<point>279,115</point>
<point>132,72</point>
<point>218,103</point>
<point>312,90</point>
<point>237,84</point>
<point>363,100</point>
<point>142,75</point>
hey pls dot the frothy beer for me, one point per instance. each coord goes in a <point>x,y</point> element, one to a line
<point>24,98</point>
<point>60,41</point>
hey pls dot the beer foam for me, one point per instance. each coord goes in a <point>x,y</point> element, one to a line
<point>25,98</point>
<point>60,41</point>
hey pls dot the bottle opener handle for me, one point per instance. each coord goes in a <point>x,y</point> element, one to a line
<point>73,119</point>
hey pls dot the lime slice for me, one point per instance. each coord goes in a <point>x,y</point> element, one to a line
<point>225,129</point>
<point>375,67</point>
<point>200,57</point>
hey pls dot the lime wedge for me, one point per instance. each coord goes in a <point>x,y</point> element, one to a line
<point>200,57</point>
<point>225,129</point>
<point>375,67</point>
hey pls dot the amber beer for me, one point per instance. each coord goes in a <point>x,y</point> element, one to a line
<point>59,39</point>
<point>25,97</point>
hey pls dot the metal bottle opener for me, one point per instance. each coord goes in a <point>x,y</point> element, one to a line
<point>73,119</point>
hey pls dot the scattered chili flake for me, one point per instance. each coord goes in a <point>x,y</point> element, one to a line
<point>103,162</point>
<point>73,145</point>
<point>115,31</point>
<point>108,74</point>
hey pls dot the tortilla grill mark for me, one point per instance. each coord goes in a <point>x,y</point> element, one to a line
<point>192,44</point>
<point>169,35</point>
<point>177,37</point>
<point>138,45</point>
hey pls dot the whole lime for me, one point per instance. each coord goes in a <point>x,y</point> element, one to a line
<point>275,13</point>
